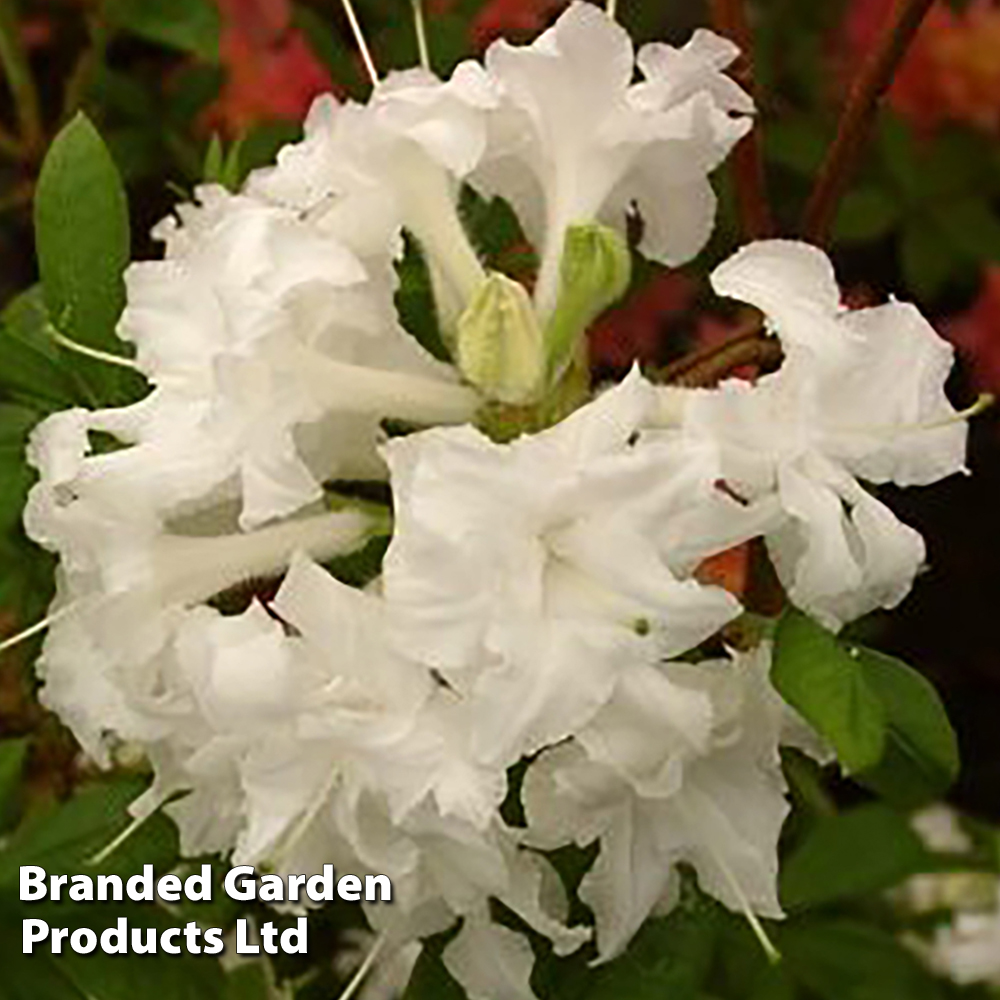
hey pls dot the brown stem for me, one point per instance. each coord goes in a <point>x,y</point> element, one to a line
<point>746,350</point>
<point>866,93</point>
<point>748,328</point>
<point>729,18</point>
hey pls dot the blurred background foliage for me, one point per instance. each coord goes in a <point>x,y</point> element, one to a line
<point>184,90</point>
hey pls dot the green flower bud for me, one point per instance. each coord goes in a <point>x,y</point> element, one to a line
<point>499,342</point>
<point>594,273</point>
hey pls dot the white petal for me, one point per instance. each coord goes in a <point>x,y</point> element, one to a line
<point>888,418</point>
<point>794,285</point>
<point>490,962</point>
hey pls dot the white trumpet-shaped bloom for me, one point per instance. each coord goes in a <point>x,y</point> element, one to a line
<point>525,573</point>
<point>256,330</point>
<point>368,171</point>
<point>860,395</point>
<point>302,735</point>
<point>574,140</point>
<point>681,765</point>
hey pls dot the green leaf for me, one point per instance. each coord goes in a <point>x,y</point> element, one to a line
<point>189,25</point>
<point>15,475</point>
<point>64,837</point>
<point>12,753</point>
<point>921,759</point>
<point>862,851</point>
<point>125,977</point>
<point>430,980</point>
<point>828,686</point>
<point>32,977</point>
<point>866,213</point>
<point>415,302</point>
<point>82,236</point>
<point>248,982</point>
<point>30,364</point>
<point>849,960</point>
<point>669,957</point>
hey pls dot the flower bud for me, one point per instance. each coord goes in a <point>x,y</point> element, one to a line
<point>499,341</point>
<point>594,273</point>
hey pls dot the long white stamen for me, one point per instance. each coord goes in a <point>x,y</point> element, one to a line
<point>773,955</point>
<point>359,37</point>
<point>612,8</point>
<point>105,852</point>
<point>982,403</point>
<point>364,969</point>
<point>35,629</point>
<point>91,352</point>
<point>421,30</point>
<point>286,844</point>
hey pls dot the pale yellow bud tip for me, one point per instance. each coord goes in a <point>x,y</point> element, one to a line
<point>499,342</point>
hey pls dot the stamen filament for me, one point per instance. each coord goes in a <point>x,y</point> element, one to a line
<point>91,352</point>
<point>298,831</point>
<point>421,29</point>
<point>982,403</point>
<point>364,969</point>
<point>359,37</point>
<point>612,8</point>
<point>33,630</point>
<point>773,955</point>
<point>105,852</point>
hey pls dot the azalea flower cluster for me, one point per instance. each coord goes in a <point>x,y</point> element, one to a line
<point>538,599</point>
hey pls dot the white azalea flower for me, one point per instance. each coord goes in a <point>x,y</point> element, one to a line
<point>968,948</point>
<point>524,573</point>
<point>327,748</point>
<point>681,766</point>
<point>860,394</point>
<point>574,140</point>
<point>124,589</point>
<point>260,329</point>
<point>367,171</point>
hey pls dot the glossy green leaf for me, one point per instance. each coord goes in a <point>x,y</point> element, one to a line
<point>189,25</point>
<point>15,475</point>
<point>82,237</point>
<point>30,362</point>
<point>817,676</point>
<point>862,851</point>
<point>64,837</point>
<point>921,759</point>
